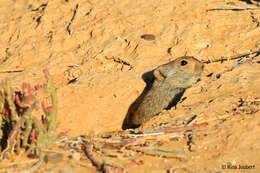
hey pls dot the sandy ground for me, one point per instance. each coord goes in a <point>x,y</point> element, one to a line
<point>95,53</point>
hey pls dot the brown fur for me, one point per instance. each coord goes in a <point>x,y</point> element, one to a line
<point>170,81</point>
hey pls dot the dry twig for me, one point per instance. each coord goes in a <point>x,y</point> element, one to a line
<point>234,8</point>
<point>33,168</point>
<point>94,161</point>
<point>233,57</point>
<point>73,17</point>
<point>161,152</point>
<point>11,71</point>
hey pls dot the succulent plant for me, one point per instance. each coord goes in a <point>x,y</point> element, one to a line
<point>23,123</point>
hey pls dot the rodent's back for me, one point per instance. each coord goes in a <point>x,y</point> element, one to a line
<point>171,80</point>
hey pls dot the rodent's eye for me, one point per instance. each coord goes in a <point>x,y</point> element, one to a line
<point>183,63</point>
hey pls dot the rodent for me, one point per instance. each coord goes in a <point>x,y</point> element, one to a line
<point>170,82</point>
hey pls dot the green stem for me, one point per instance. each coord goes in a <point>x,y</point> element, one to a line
<point>14,115</point>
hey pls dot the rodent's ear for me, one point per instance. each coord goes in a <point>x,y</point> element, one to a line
<point>158,74</point>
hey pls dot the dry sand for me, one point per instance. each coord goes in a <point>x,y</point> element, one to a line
<point>102,50</point>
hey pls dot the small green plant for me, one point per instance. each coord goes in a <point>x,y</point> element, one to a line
<point>23,123</point>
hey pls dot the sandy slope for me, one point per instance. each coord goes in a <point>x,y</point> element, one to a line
<point>102,48</point>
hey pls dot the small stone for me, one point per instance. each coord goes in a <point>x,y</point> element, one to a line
<point>148,37</point>
<point>218,76</point>
<point>66,171</point>
<point>53,158</point>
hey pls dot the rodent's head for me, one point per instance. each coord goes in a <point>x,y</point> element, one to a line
<point>181,72</point>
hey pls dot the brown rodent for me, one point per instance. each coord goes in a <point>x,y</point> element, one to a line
<point>170,81</point>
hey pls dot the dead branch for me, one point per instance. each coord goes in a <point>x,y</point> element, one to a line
<point>33,168</point>
<point>73,17</point>
<point>11,71</point>
<point>234,8</point>
<point>94,161</point>
<point>233,57</point>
